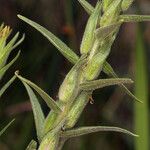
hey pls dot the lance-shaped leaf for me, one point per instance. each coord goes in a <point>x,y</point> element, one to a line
<point>96,84</point>
<point>32,145</point>
<point>126,4</point>
<point>62,47</point>
<point>88,36</point>
<point>111,73</point>
<point>103,32</point>
<point>6,127</point>
<point>87,6</point>
<point>134,18</point>
<point>5,68</point>
<point>49,101</point>
<point>37,111</point>
<point>87,130</point>
<point>3,89</point>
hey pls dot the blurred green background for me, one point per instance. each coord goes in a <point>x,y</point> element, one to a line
<point>44,65</point>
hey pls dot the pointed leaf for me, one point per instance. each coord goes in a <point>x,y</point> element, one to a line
<point>88,36</point>
<point>87,130</point>
<point>37,111</point>
<point>6,127</point>
<point>49,101</point>
<point>18,42</point>
<point>3,89</point>
<point>32,145</point>
<point>134,18</point>
<point>62,47</point>
<point>96,84</point>
<point>110,72</point>
<point>87,6</point>
<point>5,68</point>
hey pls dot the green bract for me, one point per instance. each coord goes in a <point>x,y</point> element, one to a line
<point>75,91</point>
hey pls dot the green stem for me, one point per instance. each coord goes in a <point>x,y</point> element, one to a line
<point>141,91</point>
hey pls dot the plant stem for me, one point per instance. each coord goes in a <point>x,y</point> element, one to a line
<point>141,91</point>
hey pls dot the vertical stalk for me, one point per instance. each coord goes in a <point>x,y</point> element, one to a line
<point>141,91</point>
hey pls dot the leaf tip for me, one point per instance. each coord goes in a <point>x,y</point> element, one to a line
<point>17,73</point>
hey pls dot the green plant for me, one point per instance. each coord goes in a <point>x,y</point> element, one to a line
<point>77,88</point>
<point>5,50</point>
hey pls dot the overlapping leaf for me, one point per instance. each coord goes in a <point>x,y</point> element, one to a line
<point>37,111</point>
<point>49,101</point>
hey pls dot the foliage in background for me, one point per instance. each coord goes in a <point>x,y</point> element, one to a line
<point>5,50</point>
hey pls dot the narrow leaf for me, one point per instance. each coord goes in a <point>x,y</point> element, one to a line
<point>18,42</point>
<point>49,101</point>
<point>88,36</point>
<point>32,145</point>
<point>5,68</point>
<point>87,6</point>
<point>3,89</point>
<point>134,18</point>
<point>96,84</point>
<point>87,130</point>
<point>62,47</point>
<point>37,111</point>
<point>6,127</point>
<point>111,73</point>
